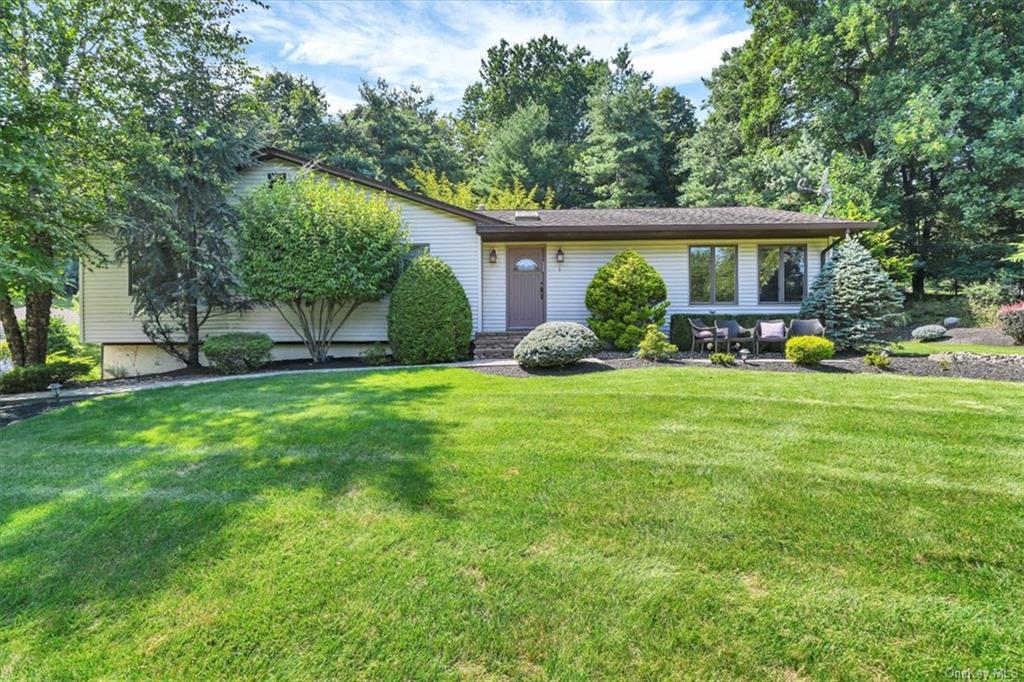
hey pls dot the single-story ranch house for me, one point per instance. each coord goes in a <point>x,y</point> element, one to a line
<point>519,268</point>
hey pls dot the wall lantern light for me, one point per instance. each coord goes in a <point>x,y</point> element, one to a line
<point>559,256</point>
<point>492,257</point>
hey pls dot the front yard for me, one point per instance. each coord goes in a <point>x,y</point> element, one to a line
<point>666,522</point>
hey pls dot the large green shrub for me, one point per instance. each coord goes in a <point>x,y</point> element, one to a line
<point>556,344</point>
<point>853,297</point>
<point>625,296</point>
<point>38,377</point>
<point>985,298</point>
<point>1011,320</point>
<point>430,319</point>
<point>809,350</point>
<point>237,353</point>
<point>318,250</point>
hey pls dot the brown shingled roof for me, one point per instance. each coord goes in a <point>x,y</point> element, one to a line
<point>661,223</point>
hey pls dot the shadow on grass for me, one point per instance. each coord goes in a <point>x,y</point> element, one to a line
<point>115,513</point>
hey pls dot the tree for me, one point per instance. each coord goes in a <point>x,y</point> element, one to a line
<point>542,72</point>
<point>438,186</point>
<point>853,297</point>
<point>397,129</point>
<point>625,296</point>
<point>297,114</point>
<point>622,150</point>
<point>874,81</point>
<point>317,251</point>
<point>520,151</point>
<point>178,228</point>
<point>678,121</point>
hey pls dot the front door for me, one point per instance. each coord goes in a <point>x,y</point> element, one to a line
<point>525,288</point>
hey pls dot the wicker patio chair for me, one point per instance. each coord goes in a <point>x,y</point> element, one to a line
<point>730,332</point>
<point>701,334</point>
<point>806,328</point>
<point>769,331</point>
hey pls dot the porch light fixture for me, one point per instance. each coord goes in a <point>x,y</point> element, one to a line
<point>559,256</point>
<point>492,257</point>
<point>744,354</point>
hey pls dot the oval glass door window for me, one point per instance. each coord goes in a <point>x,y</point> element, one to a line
<point>526,265</point>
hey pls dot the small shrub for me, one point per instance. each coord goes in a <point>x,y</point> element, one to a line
<point>951,322</point>
<point>237,353</point>
<point>929,332</point>
<point>37,377</point>
<point>878,359</point>
<point>655,345</point>
<point>119,372</point>
<point>556,344</point>
<point>809,350</point>
<point>377,354</point>
<point>1011,320</point>
<point>63,337</point>
<point>625,296</point>
<point>723,359</point>
<point>429,319</point>
<point>984,300</point>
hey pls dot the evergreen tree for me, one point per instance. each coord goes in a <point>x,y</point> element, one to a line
<point>520,151</point>
<point>622,151</point>
<point>853,297</point>
<point>678,121</point>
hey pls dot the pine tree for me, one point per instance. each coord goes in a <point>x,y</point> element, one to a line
<point>622,152</point>
<point>853,297</point>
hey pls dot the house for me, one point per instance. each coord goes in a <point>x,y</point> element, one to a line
<point>519,268</point>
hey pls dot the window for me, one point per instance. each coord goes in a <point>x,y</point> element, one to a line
<point>712,274</point>
<point>415,251</point>
<point>526,265</point>
<point>139,272</point>
<point>274,178</point>
<point>782,273</point>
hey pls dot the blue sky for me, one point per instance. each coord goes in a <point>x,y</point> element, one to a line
<point>439,45</point>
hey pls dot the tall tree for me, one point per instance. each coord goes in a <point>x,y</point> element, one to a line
<point>178,232</point>
<point>677,118</point>
<point>297,113</point>
<point>542,72</point>
<point>874,81</point>
<point>520,151</point>
<point>397,129</point>
<point>621,153</point>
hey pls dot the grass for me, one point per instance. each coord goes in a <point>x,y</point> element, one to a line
<point>932,347</point>
<point>671,522</point>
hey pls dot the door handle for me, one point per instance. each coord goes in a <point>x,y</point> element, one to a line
<point>542,291</point>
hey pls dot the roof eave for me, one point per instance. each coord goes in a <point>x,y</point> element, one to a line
<point>275,153</point>
<point>492,232</point>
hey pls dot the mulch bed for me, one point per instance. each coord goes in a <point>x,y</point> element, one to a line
<point>918,366</point>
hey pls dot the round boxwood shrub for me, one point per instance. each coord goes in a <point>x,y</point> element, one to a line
<point>556,344</point>
<point>237,353</point>
<point>1011,319</point>
<point>809,350</point>
<point>430,319</point>
<point>625,296</point>
<point>929,332</point>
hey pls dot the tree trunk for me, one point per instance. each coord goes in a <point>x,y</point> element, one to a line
<point>37,326</point>
<point>12,331</point>
<point>192,333</point>
<point>917,283</point>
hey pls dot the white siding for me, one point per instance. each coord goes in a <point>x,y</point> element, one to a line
<point>567,283</point>
<point>106,305</point>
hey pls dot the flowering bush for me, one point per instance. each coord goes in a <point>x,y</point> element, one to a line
<point>1011,319</point>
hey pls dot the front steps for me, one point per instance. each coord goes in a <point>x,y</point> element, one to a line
<point>496,345</point>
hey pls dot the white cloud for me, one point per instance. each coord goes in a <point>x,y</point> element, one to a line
<point>439,45</point>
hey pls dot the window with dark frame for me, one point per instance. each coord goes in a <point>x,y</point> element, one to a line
<point>134,274</point>
<point>782,273</point>
<point>713,274</point>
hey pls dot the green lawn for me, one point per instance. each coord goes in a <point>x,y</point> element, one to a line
<point>932,347</point>
<point>671,522</point>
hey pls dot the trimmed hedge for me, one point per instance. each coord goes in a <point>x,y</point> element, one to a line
<point>929,332</point>
<point>625,296</point>
<point>429,319</point>
<point>809,350</point>
<point>237,353</point>
<point>556,344</point>
<point>38,377</point>
<point>1011,319</point>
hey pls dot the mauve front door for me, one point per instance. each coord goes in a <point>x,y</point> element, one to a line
<point>525,286</point>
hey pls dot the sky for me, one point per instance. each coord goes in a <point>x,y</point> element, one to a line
<point>439,45</point>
